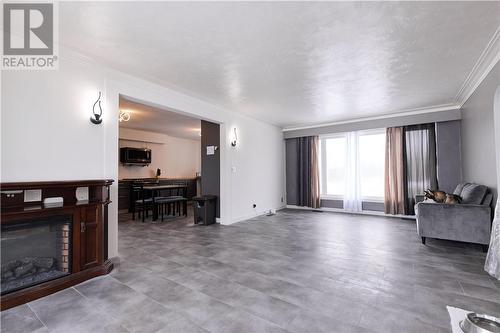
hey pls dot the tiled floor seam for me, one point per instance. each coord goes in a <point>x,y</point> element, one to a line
<point>100,307</point>
<point>36,315</point>
<point>235,306</point>
<point>163,306</point>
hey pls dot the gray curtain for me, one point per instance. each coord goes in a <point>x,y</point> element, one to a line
<point>420,162</point>
<point>308,172</point>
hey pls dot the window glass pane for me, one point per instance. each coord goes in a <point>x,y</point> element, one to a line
<point>335,165</point>
<point>371,165</point>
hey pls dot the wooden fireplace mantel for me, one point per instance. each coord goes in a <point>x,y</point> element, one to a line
<point>89,255</point>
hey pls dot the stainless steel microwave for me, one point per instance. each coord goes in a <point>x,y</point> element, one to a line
<point>129,155</point>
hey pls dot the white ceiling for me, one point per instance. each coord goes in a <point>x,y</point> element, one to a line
<point>149,118</point>
<point>291,63</point>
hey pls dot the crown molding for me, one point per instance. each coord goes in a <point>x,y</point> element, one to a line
<point>487,60</point>
<point>409,112</point>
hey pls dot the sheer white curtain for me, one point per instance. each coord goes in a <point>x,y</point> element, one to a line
<point>420,142</point>
<point>492,264</point>
<point>352,196</point>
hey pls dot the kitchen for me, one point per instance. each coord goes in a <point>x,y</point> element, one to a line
<point>160,161</point>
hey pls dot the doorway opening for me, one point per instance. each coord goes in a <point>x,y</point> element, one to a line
<point>167,160</point>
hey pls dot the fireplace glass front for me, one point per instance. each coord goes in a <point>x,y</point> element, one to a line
<point>35,251</point>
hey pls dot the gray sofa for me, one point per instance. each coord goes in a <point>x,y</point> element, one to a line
<point>469,221</point>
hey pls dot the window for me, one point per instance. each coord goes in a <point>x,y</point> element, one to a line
<point>366,153</point>
<point>372,164</point>
<point>334,163</point>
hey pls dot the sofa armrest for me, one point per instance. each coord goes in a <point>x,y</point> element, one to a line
<point>419,198</point>
<point>466,223</point>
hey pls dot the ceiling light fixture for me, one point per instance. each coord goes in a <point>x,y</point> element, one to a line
<point>124,116</point>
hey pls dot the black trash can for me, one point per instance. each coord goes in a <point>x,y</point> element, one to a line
<point>204,209</point>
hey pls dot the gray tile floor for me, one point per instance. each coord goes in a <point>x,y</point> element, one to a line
<point>296,271</point>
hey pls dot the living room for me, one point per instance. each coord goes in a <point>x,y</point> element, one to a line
<point>334,119</point>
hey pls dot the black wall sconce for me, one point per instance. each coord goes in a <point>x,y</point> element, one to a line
<point>234,139</point>
<point>96,116</point>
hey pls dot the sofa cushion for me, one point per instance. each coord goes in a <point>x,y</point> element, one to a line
<point>459,188</point>
<point>473,194</point>
<point>488,198</point>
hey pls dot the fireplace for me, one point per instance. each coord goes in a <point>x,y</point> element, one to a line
<point>34,251</point>
<point>46,247</point>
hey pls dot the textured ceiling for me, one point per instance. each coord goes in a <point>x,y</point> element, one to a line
<point>291,63</point>
<point>149,118</point>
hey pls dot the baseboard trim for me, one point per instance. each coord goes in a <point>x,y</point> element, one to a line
<point>257,214</point>
<point>338,210</point>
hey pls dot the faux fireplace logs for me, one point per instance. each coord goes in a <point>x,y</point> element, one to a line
<point>46,248</point>
<point>34,251</point>
<point>18,274</point>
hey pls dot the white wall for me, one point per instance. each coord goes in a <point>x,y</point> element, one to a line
<point>478,133</point>
<point>259,152</point>
<point>46,135</point>
<point>46,132</point>
<point>176,157</point>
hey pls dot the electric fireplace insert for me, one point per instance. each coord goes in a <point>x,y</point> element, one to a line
<point>35,251</point>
